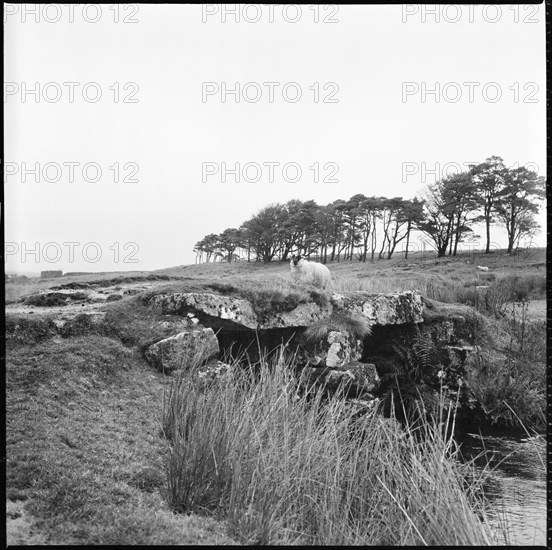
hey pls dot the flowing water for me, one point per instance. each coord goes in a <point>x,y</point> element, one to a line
<point>517,485</point>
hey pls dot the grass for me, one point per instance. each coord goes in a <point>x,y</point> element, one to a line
<point>88,461</point>
<point>510,383</point>
<point>53,299</point>
<point>286,469</point>
<point>85,450</point>
<point>356,326</point>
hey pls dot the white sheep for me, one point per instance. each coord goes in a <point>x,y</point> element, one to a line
<point>482,268</point>
<point>303,271</point>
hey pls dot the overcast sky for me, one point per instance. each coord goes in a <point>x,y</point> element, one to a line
<point>167,119</point>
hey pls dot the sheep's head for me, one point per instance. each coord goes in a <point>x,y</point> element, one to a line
<point>296,259</point>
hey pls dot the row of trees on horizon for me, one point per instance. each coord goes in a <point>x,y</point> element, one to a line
<point>365,228</point>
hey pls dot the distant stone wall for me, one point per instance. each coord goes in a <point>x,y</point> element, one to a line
<point>50,274</point>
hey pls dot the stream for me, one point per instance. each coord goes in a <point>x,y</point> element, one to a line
<point>517,486</point>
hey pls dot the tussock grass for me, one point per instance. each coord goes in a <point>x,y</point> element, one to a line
<point>357,327</point>
<point>287,469</point>
<point>510,385</point>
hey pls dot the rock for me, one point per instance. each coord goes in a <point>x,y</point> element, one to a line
<point>384,309</point>
<point>357,408</point>
<point>60,323</point>
<point>174,352</point>
<point>303,315</point>
<point>214,370</point>
<point>380,309</point>
<point>335,349</point>
<point>358,377</point>
<point>114,297</point>
<point>454,324</point>
<point>235,310</point>
<point>173,325</point>
<point>355,378</point>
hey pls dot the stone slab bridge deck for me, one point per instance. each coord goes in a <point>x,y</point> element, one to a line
<point>235,312</point>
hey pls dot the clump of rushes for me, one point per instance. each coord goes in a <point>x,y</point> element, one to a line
<point>285,469</point>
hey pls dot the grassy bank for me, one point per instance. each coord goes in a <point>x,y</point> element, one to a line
<point>85,450</point>
<point>283,468</point>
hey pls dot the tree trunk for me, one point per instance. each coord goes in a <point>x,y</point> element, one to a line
<point>511,231</point>
<point>407,239</point>
<point>488,229</point>
<point>365,247</point>
<point>374,243</point>
<point>456,237</point>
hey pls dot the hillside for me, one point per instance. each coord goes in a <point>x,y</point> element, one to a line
<point>86,453</point>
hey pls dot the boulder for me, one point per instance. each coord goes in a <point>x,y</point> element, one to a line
<point>176,351</point>
<point>335,349</point>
